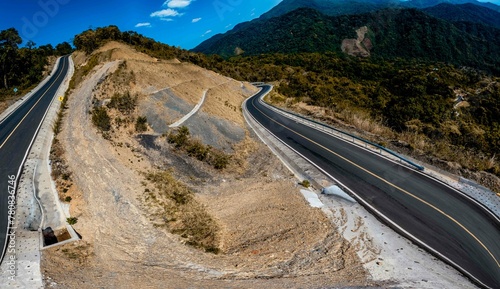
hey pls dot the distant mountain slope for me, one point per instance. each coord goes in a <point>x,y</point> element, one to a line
<point>421,4</point>
<point>465,12</point>
<point>341,7</point>
<point>331,7</point>
<point>407,33</point>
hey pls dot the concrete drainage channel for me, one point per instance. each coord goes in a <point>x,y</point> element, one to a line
<point>39,210</point>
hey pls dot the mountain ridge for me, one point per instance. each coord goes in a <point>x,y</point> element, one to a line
<point>340,7</point>
<point>407,33</point>
<point>465,13</point>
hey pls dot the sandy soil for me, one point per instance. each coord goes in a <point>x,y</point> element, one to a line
<point>270,236</point>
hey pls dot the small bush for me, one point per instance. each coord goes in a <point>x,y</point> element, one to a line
<point>72,220</point>
<point>198,150</point>
<point>101,119</point>
<point>68,199</point>
<point>180,138</point>
<point>125,103</point>
<point>56,127</point>
<point>195,148</point>
<point>141,125</point>
<point>305,184</point>
<point>219,160</point>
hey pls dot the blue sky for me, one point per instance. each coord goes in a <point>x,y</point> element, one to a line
<point>184,23</point>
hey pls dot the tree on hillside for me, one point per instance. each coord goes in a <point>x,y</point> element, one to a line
<point>30,44</point>
<point>86,41</point>
<point>47,50</point>
<point>63,48</point>
<point>9,41</point>
<point>22,67</point>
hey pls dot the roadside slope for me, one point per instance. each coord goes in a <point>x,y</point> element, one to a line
<point>269,235</point>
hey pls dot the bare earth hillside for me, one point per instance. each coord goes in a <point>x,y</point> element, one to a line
<point>266,233</point>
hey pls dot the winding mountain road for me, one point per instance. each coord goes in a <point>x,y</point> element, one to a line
<point>17,133</point>
<point>437,217</point>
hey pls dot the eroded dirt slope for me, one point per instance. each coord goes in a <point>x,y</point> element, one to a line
<point>269,236</point>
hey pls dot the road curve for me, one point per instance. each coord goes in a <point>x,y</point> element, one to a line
<point>435,216</point>
<point>17,133</point>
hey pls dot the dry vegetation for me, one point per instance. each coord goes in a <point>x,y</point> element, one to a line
<point>177,209</point>
<point>141,218</point>
<point>410,142</point>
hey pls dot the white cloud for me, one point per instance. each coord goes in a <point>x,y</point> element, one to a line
<point>177,3</point>
<point>195,20</point>
<point>145,24</point>
<point>166,19</point>
<point>165,13</point>
<point>207,32</point>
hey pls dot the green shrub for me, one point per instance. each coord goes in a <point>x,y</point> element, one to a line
<point>101,119</point>
<point>72,220</point>
<point>219,160</point>
<point>179,138</point>
<point>125,103</point>
<point>68,199</point>
<point>198,150</point>
<point>305,183</point>
<point>141,125</point>
<point>195,148</point>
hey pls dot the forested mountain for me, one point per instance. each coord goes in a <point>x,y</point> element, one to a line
<point>474,11</point>
<point>330,7</point>
<point>465,13</point>
<point>421,4</point>
<point>406,33</point>
<point>341,7</point>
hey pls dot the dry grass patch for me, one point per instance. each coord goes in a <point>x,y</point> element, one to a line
<point>176,208</point>
<point>195,148</point>
<point>442,153</point>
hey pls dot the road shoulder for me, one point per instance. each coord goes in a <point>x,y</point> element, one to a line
<point>37,203</point>
<point>386,255</point>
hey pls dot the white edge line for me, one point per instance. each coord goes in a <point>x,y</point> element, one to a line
<point>307,123</point>
<point>415,239</point>
<point>24,160</point>
<point>247,117</point>
<point>31,93</point>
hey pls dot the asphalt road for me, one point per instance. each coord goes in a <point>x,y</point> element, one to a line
<point>433,215</point>
<point>16,135</point>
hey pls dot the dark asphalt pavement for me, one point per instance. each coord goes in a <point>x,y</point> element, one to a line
<point>425,210</point>
<point>16,135</point>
